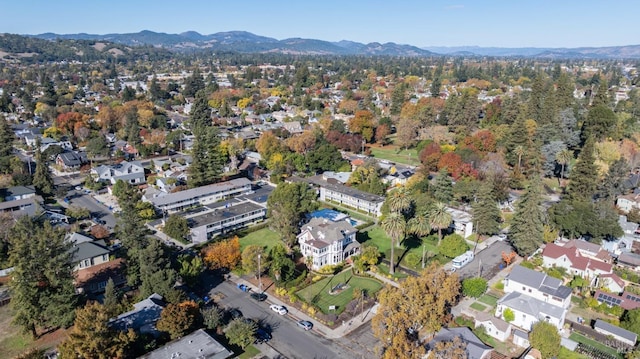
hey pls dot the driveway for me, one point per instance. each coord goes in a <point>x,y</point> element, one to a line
<point>288,339</point>
<point>84,200</point>
<point>486,262</point>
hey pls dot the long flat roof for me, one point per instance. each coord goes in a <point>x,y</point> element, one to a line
<point>350,191</point>
<point>222,213</point>
<point>199,191</point>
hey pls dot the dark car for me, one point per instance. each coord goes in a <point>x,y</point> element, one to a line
<point>260,297</point>
<point>235,313</point>
<point>262,336</point>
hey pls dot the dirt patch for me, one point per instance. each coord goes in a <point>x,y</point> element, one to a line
<point>99,46</point>
<point>3,54</point>
<point>116,52</point>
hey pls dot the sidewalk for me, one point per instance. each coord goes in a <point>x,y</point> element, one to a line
<point>325,331</point>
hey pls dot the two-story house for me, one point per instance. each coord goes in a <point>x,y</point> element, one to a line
<point>574,262</point>
<point>93,264</point>
<point>325,242</point>
<point>533,296</point>
<point>129,172</point>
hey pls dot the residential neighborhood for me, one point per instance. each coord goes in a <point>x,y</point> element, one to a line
<point>160,204</point>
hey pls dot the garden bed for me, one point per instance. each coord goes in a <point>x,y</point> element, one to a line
<point>319,293</point>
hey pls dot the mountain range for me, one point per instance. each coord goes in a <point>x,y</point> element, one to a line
<point>246,42</point>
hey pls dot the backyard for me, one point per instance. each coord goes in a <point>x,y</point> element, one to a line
<point>592,343</point>
<point>318,293</point>
<point>410,251</point>
<point>263,237</point>
<point>14,342</point>
<point>392,154</point>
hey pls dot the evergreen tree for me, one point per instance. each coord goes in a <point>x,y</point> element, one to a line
<point>518,139</point>
<point>527,227</point>
<point>583,178</point>
<point>200,114</point>
<point>6,145</point>
<point>486,214</point>
<point>91,336</point>
<point>602,97</point>
<point>208,158</point>
<point>42,180</point>
<point>156,274</point>
<point>111,299</point>
<point>443,188</point>
<point>42,290</point>
<point>613,183</point>
<point>132,128</point>
<point>130,230</point>
<point>564,92</point>
<point>193,84</point>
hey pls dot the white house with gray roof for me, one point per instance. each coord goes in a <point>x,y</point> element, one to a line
<point>325,242</point>
<point>493,326</point>
<point>528,310</point>
<point>129,172</point>
<point>537,285</point>
<point>334,192</point>
<point>200,196</point>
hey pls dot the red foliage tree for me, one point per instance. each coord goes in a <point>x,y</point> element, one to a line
<point>430,155</point>
<point>450,161</point>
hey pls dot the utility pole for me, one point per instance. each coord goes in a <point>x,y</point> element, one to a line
<point>259,274</point>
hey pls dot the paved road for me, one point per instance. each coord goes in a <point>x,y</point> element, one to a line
<point>83,200</point>
<point>361,342</point>
<point>288,339</point>
<point>486,262</point>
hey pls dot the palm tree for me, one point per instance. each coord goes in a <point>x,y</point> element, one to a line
<point>420,226</point>
<point>563,157</point>
<point>439,219</point>
<point>394,225</point>
<point>399,200</point>
<point>519,150</point>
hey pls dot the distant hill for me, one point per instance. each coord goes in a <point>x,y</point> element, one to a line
<point>52,48</point>
<point>246,42</point>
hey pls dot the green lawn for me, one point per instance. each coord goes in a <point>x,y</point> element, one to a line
<point>489,300</point>
<point>411,248</point>
<point>391,153</point>
<point>249,352</point>
<point>584,340</point>
<point>12,341</point>
<point>318,293</point>
<point>477,306</point>
<point>262,237</point>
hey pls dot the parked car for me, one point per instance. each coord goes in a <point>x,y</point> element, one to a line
<point>280,309</point>
<point>262,336</point>
<point>305,324</point>
<point>260,297</point>
<point>235,313</point>
<point>243,287</point>
<point>502,236</point>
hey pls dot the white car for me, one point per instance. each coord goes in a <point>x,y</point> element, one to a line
<point>502,236</point>
<point>279,309</point>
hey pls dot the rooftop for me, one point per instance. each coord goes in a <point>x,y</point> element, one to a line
<point>229,210</point>
<point>530,305</point>
<point>199,191</point>
<point>336,187</point>
<point>197,345</point>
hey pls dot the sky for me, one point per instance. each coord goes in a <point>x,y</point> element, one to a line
<point>422,23</point>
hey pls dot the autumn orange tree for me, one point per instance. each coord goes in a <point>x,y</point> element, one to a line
<point>421,304</point>
<point>508,257</point>
<point>179,319</point>
<point>223,254</point>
